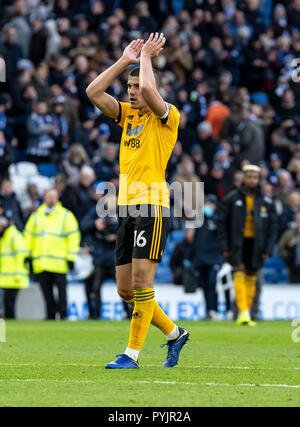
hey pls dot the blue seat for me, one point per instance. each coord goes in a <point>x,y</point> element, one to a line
<point>48,169</point>
<point>275,271</point>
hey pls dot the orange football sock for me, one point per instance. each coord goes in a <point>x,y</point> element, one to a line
<point>141,319</point>
<point>251,289</point>
<point>160,320</point>
<point>241,296</point>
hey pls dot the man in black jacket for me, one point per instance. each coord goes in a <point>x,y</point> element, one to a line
<point>205,256</point>
<point>247,231</point>
<point>99,236</point>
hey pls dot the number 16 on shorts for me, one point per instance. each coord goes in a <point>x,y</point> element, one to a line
<point>139,239</point>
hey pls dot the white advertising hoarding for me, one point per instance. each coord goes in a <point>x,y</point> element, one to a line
<point>277,302</point>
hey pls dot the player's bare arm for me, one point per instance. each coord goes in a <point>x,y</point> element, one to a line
<point>96,90</point>
<point>149,91</point>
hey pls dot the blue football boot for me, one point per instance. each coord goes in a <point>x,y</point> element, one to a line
<point>175,347</point>
<point>123,362</point>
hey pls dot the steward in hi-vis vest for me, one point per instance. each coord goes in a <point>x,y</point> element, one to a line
<point>14,274</point>
<point>52,238</point>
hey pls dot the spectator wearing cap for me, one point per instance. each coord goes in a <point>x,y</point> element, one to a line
<point>14,274</point>
<point>204,254</point>
<point>207,142</point>
<point>247,231</point>
<point>289,249</point>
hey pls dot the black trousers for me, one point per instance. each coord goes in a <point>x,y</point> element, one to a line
<point>47,282</point>
<point>207,277</point>
<point>93,286</point>
<point>9,301</point>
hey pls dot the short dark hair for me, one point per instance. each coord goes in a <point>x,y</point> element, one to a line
<point>135,72</point>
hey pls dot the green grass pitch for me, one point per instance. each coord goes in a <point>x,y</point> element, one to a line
<point>62,364</point>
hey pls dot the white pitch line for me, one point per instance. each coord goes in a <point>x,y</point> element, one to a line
<point>42,380</point>
<point>219,384</point>
<point>246,368</point>
<point>88,365</point>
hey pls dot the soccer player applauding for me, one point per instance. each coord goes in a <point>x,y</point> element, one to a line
<point>150,128</point>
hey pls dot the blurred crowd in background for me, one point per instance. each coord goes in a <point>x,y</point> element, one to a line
<point>227,66</point>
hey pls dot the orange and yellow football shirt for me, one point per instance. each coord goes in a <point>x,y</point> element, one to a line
<point>146,145</point>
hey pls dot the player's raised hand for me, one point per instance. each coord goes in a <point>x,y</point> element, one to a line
<point>154,45</point>
<point>132,51</point>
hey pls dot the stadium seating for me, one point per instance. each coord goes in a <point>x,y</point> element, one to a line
<point>25,169</point>
<point>48,169</point>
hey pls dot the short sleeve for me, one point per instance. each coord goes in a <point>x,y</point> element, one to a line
<point>124,106</point>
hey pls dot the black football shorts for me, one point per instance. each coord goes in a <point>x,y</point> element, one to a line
<point>142,233</point>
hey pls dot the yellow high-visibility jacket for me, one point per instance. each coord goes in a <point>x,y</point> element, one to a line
<point>14,273</point>
<point>52,240</point>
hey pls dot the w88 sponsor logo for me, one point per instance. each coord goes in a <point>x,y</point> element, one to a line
<point>132,142</point>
